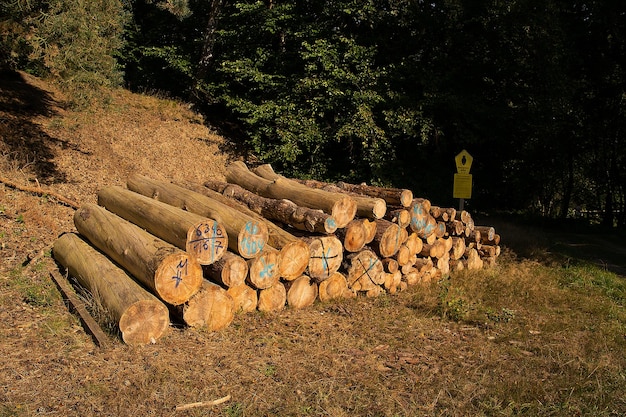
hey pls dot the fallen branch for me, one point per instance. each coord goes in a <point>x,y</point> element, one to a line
<point>201,404</point>
<point>42,192</point>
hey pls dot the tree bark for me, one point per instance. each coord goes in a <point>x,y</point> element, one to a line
<point>246,236</point>
<point>141,317</point>
<point>168,272</point>
<point>204,239</point>
<point>340,206</point>
<point>283,211</point>
<point>367,207</point>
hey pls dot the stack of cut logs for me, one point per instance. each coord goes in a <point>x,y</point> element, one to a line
<point>260,241</point>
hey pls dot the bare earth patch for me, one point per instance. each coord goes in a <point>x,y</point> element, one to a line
<point>520,338</point>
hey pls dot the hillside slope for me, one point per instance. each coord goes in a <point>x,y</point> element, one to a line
<point>75,153</point>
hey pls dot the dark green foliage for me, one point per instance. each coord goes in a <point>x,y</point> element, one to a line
<point>386,92</point>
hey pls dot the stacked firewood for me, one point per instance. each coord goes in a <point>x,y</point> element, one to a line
<point>259,241</point>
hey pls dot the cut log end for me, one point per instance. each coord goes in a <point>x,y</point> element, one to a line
<point>244,297</point>
<point>302,292</point>
<point>207,242</point>
<point>343,211</point>
<point>212,307</point>
<point>273,298</point>
<point>178,278</point>
<point>293,259</point>
<point>252,239</point>
<point>264,270</point>
<point>144,322</point>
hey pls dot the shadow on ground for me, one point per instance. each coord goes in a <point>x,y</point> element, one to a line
<point>23,142</point>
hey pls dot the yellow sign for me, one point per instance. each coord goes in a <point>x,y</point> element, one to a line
<point>462,186</point>
<point>463,162</point>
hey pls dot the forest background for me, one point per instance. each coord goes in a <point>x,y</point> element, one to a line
<point>386,92</point>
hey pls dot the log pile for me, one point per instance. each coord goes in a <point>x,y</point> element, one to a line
<point>258,241</point>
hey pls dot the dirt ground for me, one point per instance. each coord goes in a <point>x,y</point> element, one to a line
<point>363,357</point>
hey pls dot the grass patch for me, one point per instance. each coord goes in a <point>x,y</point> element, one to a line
<point>31,289</point>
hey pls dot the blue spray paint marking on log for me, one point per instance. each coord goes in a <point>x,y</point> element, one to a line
<point>250,244</point>
<point>182,265</point>
<point>267,270</point>
<point>325,257</point>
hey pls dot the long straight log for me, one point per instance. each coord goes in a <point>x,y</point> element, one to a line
<point>141,317</point>
<point>171,274</point>
<point>340,206</point>
<point>246,235</point>
<point>283,211</point>
<point>392,196</point>
<point>204,239</point>
<point>367,207</point>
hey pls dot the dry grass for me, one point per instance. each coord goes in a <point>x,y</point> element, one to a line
<point>537,335</point>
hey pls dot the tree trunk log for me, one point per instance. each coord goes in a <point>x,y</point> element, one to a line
<point>283,211</point>
<point>364,264</point>
<point>301,292</point>
<point>389,237</point>
<point>245,298</point>
<point>141,317</point>
<point>334,287</point>
<point>264,270</point>
<point>212,307</point>
<point>421,221</point>
<point>326,256</point>
<point>340,206</point>
<point>390,265</point>
<point>353,236</point>
<point>168,272</point>
<point>204,239</point>
<point>246,235</point>
<point>487,234</point>
<point>458,248</point>
<point>273,298</point>
<point>230,271</point>
<point>401,217</point>
<point>392,196</point>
